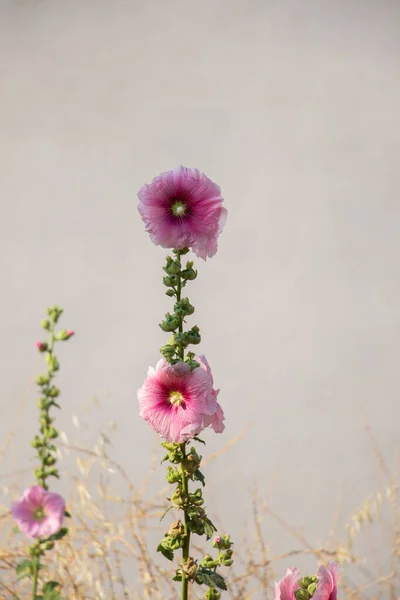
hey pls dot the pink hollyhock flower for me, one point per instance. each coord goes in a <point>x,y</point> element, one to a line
<point>183,209</point>
<point>179,403</point>
<point>327,583</point>
<point>286,587</point>
<point>39,513</point>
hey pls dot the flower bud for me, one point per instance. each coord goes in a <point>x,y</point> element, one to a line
<point>191,461</point>
<point>49,460</point>
<point>170,293</point>
<point>37,442</point>
<point>41,346</point>
<point>212,594</point>
<point>208,562</point>
<point>64,334</point>
<point>196,498</point>
<point>53,471</point>
<point>183,308</point>
<point>48,545</point>
<point>193,335</point>
<point>189,274</point>
<point>43,403</point>
<point>170,323</point>
<point>52,433</point>
<point>54,392</point>
<point>173,475</point>
<point>39,473</point>
<point>42,379</point>
<point>171,267</point>
<point>311,588</point>
<point>168,351</point>
<point>170,280</point>
<point>179,498</point>
<point>216,543</point>
<point>306,581</point>
<point>45,323</point>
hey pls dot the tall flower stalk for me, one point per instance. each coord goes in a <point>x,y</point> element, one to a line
<point>40,513</point>
<point>182,210</point>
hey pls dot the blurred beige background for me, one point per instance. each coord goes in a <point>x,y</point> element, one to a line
<point>292,107</point>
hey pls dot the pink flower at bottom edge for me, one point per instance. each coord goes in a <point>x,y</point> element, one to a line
<point>183,208</point>
<point>327,582</point>
<point>39,513</point>
<point>286,587</point>
<point>179,403</point>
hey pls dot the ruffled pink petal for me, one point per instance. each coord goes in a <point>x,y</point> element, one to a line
<point>203,221</point>
<point>218,420</point>
<point>327,582</point>
<point>285,588</point>
<point>179,422</point>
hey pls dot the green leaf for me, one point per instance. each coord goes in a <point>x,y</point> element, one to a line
<point>198,476</point>
<point>177,577</point>
<point>50,591</point>
<point>210,578</point>
<point>50,585</point>
<point>57,536</point>
<point>24,569</point>
<point>167,552</point>
<point>209,527</point>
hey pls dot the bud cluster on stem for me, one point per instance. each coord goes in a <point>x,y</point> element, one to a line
<point>185,461</point>
<point>40,513</point>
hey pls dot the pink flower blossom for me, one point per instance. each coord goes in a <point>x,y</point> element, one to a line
<point>40,346</point>
<point>179,403</point>
<point>183,209</point>
<point>326,586</point>
<point>286,587</point>
<point>39,513</point>
<point>327,583</point>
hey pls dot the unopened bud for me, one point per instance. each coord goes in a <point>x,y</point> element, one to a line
<point>183,307</point>
<point>42,379</point>
<point>48,545</point>
<point>45,323</point>
<point>170,323</point>
<point>64,334</point>
<point>173,475</point>
<point>167,351</point>
<point>41,346</point>
<point>170,280</point>
<point>212,594</point>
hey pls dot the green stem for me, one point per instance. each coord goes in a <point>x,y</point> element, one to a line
<point>35,575</point>
<point>186,543</point>
<point>181,350</point>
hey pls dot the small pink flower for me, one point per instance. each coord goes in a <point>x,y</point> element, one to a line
<point>183,209</point>
<point>40,346</point>
<point>70,332</point>
<point>327,583</point>
<point>179,403</point>
<point>286,587</point>
<point>39,513</point>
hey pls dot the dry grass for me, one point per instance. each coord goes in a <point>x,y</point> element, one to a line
<point>109,554</point>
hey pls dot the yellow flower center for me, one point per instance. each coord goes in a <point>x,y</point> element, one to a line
<point>178,209</point>
<point>176,398</point>
<point>39,514</point>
